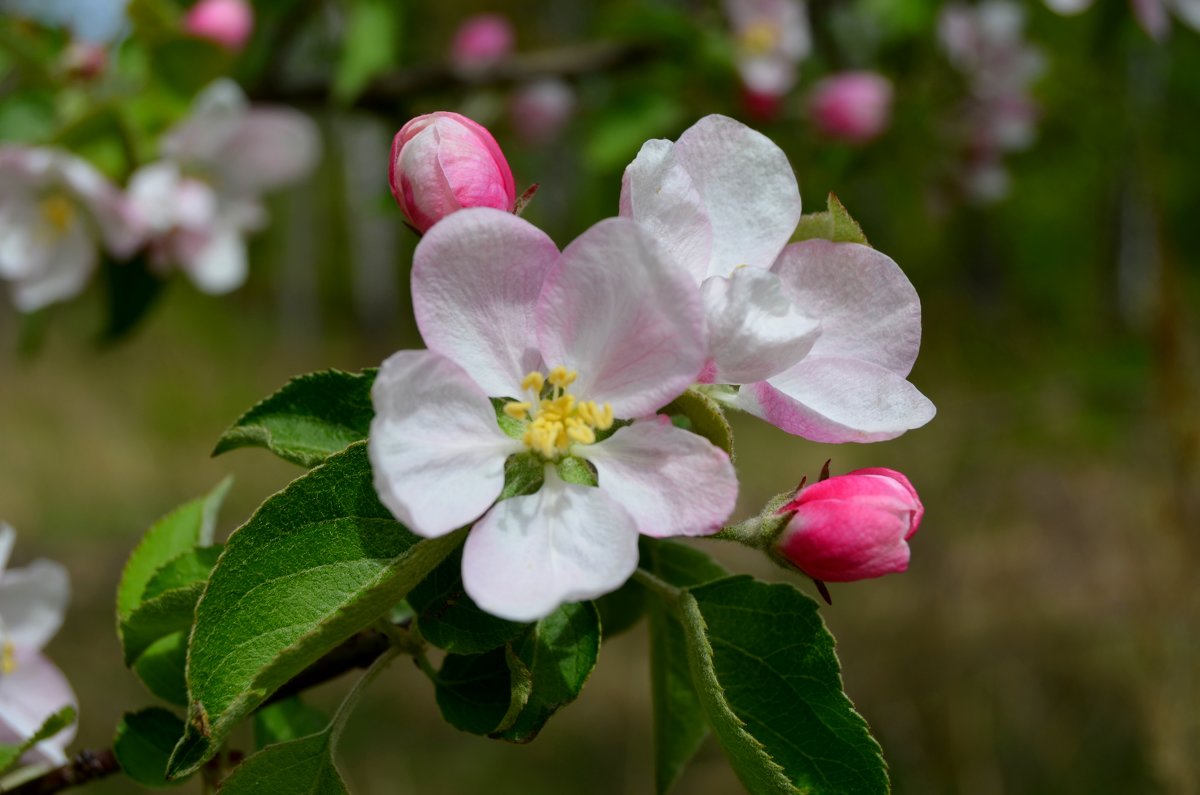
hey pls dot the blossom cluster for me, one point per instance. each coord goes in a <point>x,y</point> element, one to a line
<point>189,210</point>
<point>535,414</point>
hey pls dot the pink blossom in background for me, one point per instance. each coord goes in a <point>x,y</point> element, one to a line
<point>227,22</point>
<point>852,527</point>
<point>443,162</point>
<point>540,110</point>
<point>771,38</point>
<point>851,106</point>
<point>84,59</point>
<point>482,40</point>
<point>760,106</point>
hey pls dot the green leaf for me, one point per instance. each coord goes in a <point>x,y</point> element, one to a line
<point>704,416</point>
<point>191,567</point>
<point>161,668</point>
<point>834,224</point>
<point>187,65</point>
<point>157,618</point>
<point>370,45</point>
<point>621,609</point>
<point>679,721</point>
<point>768,678</point>
<point>287,720</point>
<point>188,526</point>
<point>316,563</point>
<point>312,417</point>
<point>474,691</point>
<point>131,290</point>
<point>450,620</point>
<point>143,745</point>
<point>10,755</point>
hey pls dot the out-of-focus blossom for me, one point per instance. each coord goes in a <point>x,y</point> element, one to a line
<point>851,106</point>
<point>99,21</point>
<point>85,60</point>
<point>760,106</point>
<point>851,527</point>
<point>481,41</point>
<point>202,200</point>
<point>819,336</point>
<point>32,603</point>
<point>572,343</point>
<point>227,22</point>
<point>56,211</point>
<point>771,38</point>
<point>443,162</point>
<point>1154,16</point>
<point>540,110</point>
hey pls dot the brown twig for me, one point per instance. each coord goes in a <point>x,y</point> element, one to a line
<point>86,766</point>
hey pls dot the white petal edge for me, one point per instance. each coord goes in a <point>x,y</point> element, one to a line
<point>33,601</point>
<point>476,278</point>
<point>673,482</point>
<point>68,265</point>
<point>565,543</point>
<point>221,265</point>
<point>435,448</point>
<point>8,538</point>
<point>34,691</point>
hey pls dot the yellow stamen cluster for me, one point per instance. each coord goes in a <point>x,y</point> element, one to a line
<point>8,659</point>
<point>58,211</point>
<point>557,419</point>
<point>759,38</point>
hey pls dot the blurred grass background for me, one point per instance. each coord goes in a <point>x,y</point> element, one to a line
<point>1044,639</point>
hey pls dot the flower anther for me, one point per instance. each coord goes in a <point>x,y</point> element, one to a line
<point>555,417</point>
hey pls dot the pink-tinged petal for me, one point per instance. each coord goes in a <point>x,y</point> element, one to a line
<point>917,507</point>
<point>565,543</point>
<point>838,400</point>
<point>1153,18</point>
<point>755,330</point>
<point>269,149</point>
<point>204,135</point>
<point>673,482</point>
<point>476,279</point>
<point>1188,12</point>
<point>220,265</point>
<point>30,694</point>
<point>867,307</point>
<point>33,601</point>
<point>435,447</point>
<point>8,537</point>
<point>841,541</point>
<point>748,189</point>
<point>658,193</point>
<point>627,321</point>
<point>120,226</point>
<point>68,264</point>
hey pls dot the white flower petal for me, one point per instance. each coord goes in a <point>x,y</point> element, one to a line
<point>565,543</point>
<point>755,330</point>
<point>270,148</point>
<point>23,250</point>
<point>8,537</point>
<point>673,482</point>
<point>867,307</point>
<point>220,265</point>
<point>32,692</point>
<point>69,262</point>
<point>435,447</point>
<point>627,321</point>
<point>33,601</point>
<point>838,400</point>
<point>476,278</point>
<point>204,135</point>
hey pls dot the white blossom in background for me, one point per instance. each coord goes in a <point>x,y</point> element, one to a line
<point>1154,16</point>
<point>32,603</point>
<point>98,21</point>
<point>56,213</point>
<point>202,200</point>
<point>771,38</point>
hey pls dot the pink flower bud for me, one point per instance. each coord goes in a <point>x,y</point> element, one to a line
<point>481,41</point>
<point>227,22</point>
<point>852,527</point>
<point>851,106</point>
<point>442,162</point>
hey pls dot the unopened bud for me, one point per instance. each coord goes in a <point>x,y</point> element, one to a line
<point>852,106</point>
<point>226,22</point>
<point>481,41</point>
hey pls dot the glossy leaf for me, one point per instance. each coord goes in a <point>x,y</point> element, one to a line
<point>143,745</point>
<point>450,620</point>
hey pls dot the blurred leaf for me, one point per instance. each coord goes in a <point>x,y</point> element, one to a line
<point>131,288</point>
<point>621,609</point>
<point>309,419</point>
<point>450,620</point>
<point>764,667</point>
<point>187,65</point>
<point>705,417</point>
<point>10,755</point>
<point>679,722</point>
<point>316,563</point>
<point>287,720</point>
<point>371,44</point>
<point>615,138</point>
<point>178,532</point>
<point>143,745</point>
<point>153,20</point>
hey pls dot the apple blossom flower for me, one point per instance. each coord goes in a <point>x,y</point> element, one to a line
<point>482,40</point>
<point>32,603</point>
<point>540,110</point>
<point>851,527</point>
<point>204,198</point>
<point>84,60</point>
<point>771,38</point>
<point>819,336</point>
<point>443,162</point>
<point>56,212</point>
<point>1152,15</point>
<point>229,23</point>
<point>571,346</point>
<point>851,106</point>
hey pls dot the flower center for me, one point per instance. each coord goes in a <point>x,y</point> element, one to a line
<point>8,659</point>
<point>556,418</point>
<point>759,38</point>
<point>58,211</point>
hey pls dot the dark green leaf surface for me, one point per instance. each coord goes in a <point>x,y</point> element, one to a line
<point>312,417</point>
<point>621,609</point>
<point>132,289</point>
<point>191,567</point>
<point>11,754</point>
<point>164,615</point>
<point>704,416</point>
<point>448,618</point>
<point>299,767</point>
<point>161,668</point>
<point>144,743</point>
<point>474,691</point>
<point>316,563</point>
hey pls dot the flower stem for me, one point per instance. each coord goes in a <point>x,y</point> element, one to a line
<point>658,585</point>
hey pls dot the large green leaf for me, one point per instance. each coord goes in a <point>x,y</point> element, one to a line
<point>316,563</point>
<point>450,620</point>
<point>312,417</point>
<point>164,615</point>
<point>765,669</point>
<point>143,745</point>
<point>11,754</point>
<point>188,526</point>
<point>679,722</point>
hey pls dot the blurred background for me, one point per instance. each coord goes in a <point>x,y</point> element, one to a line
<point>1036,175</point>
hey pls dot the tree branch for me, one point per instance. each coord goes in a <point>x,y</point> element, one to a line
<point>86,766</point>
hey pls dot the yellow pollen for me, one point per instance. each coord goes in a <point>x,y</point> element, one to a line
<point>759,38</point>
<point>58,211</point>
<point>558,419</point>
<point>8,660</point>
